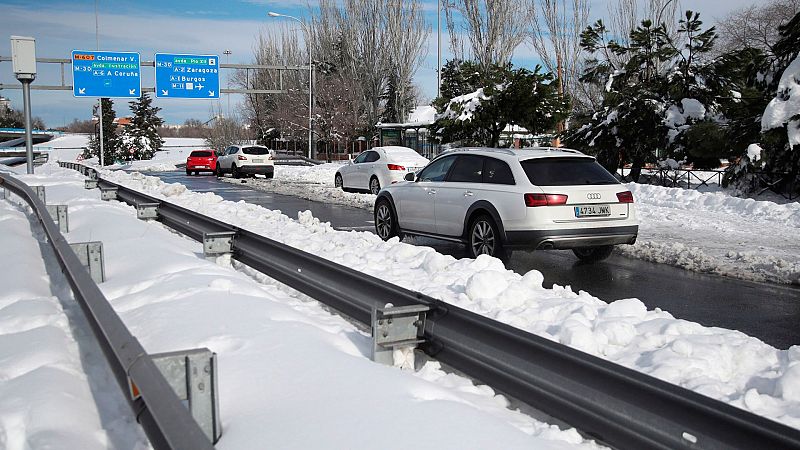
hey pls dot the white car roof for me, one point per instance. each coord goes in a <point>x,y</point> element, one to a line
<point>521,154</point>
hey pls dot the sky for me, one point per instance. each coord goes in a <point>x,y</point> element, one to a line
<point>195,27</point>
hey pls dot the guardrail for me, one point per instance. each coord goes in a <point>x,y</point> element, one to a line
<point>616,405</point>
<point>166,421</point>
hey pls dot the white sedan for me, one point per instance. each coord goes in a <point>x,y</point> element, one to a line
<point>378,167</point>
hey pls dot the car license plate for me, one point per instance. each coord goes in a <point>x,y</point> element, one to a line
<point>203,167</point>
<point>258,161</point>
<point>592,211</point>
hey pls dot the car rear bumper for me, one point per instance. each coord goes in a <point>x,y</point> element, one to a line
<point>209,167</point>
<point>572,238</point>
<point>258,170</point>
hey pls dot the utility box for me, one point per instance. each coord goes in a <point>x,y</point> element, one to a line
<point>23,56</point>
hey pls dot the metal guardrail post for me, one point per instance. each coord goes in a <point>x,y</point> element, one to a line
<point>108,193</point>
<point>218,244</point>
<point>146,211</point>
<point>90,254</point>
<point>193,376</point>
<point>60,214</point>
<point>396,329</point>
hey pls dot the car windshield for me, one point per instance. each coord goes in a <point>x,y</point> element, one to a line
<point>201,154</point>
<point>255,151</point>
<point>566,172</point>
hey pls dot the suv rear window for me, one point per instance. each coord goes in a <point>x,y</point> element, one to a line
<point>255,150</point>
<point>201,154</point>
<point>566,172</point>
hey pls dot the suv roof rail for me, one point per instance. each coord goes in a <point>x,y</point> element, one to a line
<point>506,151</point>
<point>554,149</point>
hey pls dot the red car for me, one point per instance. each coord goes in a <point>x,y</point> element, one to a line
<point>201,161</point>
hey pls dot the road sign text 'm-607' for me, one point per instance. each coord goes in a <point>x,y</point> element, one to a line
<point>187,76</point>
<point>106,74</point>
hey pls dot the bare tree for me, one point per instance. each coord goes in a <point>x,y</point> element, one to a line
<point>755,26</point>
<point>225,131</point>
<point>556,36</point>
<point>407,35</point>
<point>494,29</point>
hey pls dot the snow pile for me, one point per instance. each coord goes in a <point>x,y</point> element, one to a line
<point>172,298</point>
<point>677,118</point>
<point>785,107</point>
<point>422,115</point>
<point>309,182</point>
<point>47,400</point>
<point>716,233</point>
<point>723,364</point>
<point>462,107</point>
<point>319,174</point>
<point>754,152</point>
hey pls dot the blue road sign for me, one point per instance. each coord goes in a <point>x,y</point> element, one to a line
<point>187,76</point>
<point>106,74</point>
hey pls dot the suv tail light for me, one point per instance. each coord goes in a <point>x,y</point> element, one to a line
<point>625,197</point>
<point>241,158</point>
<point>532,200</point>
<point>395,167</point>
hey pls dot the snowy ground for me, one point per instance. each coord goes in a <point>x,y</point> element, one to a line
<point>709,232</point>
<point>292,375</point>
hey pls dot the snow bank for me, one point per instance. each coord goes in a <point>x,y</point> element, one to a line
<point>715,233</point>
<point>786,105</point>
<point>47,399</point>
<point>312,183</point>
<point>724,364</point>
<point>742,238</point>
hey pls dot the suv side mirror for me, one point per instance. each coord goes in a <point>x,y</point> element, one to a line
<point>410,176</point>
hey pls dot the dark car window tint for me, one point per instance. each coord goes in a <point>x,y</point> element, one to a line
<point>437,170</point>
<point>361,158</point>
<point>372,157</point>
<point>497,172</point>
<point>232,150</point>
<point>200,154</point>
<point>255,151</point>
<point>566,172</point>
<point>467,169</point>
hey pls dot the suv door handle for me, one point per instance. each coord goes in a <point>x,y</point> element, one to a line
<point>431,191</point>
<point>468,194</point>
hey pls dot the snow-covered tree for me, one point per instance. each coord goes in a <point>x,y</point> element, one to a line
<point>772,144</point>
<point>656,87</point>
<point>140,139</point>
<point>110,138</point>
<point>477,104</point>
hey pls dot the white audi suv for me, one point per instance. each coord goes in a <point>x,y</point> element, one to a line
<point>378,167</point>
<point>246,160</point>
<point>494,200</point>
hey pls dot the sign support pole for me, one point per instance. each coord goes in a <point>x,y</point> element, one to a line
<point>100,120</point>
<point>26,100</point>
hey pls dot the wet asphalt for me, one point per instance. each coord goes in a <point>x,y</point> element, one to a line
<point>767,311</point>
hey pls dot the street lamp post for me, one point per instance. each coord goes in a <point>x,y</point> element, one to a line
<point>310,78</point>
<point>227,54</point>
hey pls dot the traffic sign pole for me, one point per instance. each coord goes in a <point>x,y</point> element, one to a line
<point>100,120</point>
